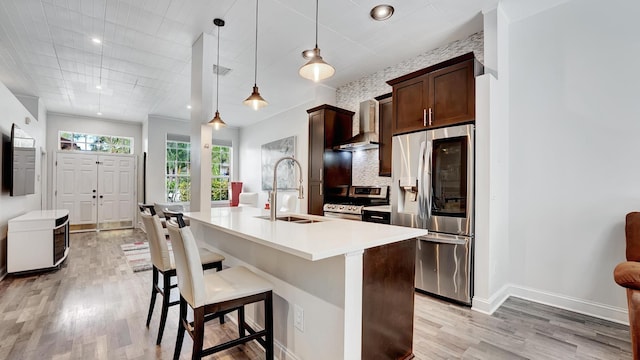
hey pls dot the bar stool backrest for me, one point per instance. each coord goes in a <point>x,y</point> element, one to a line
<point>188,265</point>
<point>157,242</point>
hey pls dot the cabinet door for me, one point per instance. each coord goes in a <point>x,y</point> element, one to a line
<point>316,145</point>
<point>337,168</point>
<point>409,104</point>
<point>384,151</point>
<point>452,95</point>
<point>316,198</point>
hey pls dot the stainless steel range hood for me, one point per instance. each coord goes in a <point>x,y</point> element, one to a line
<point>368,136</point>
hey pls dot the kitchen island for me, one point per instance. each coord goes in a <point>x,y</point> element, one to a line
<point>342,289</point>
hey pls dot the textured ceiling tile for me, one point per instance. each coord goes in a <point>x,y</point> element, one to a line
<point>144,59</point>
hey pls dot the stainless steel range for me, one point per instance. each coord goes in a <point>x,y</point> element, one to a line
<point>348,202</point>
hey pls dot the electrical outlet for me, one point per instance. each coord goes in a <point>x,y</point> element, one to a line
<point>298,317</point>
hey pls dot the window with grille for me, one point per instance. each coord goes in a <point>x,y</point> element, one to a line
<point>178,171</point>
<point>74,141</point>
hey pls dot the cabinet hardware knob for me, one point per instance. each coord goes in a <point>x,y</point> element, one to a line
<point>424,117</point>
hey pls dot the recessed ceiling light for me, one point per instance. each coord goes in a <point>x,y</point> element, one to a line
<point>189,107</point>
<point>96,40</point>
<point>381,12</point>
<point>99,87</point>
<point>308,54</point>
<point>99,113</point>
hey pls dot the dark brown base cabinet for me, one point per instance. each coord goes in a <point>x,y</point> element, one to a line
<point>436,96</point>
<point>328,126</point>
<point>387,301</point>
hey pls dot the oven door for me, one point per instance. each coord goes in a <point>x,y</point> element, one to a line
<point>342,216</point>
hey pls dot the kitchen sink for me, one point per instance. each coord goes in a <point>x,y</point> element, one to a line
<point>292,219</point>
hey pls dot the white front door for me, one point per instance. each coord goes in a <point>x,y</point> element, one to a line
<point>98,190</point>
<point>76,187</point>
<point>116,193</point>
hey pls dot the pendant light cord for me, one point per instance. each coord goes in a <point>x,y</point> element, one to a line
<point>317,23</point>
<point>255,69</point>
<point>218,71</point>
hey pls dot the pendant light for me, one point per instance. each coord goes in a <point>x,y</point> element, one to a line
<point>217,120</point>
<point>255,100</point>
<point>316,69</point>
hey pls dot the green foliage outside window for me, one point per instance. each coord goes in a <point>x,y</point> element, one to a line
<point>220,172</point>
<point>95,143</point>
<point>178,172</point>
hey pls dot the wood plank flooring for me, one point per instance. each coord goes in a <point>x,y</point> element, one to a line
<point>94,307</point>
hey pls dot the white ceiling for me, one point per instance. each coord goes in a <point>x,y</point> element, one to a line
<point>144,61</point>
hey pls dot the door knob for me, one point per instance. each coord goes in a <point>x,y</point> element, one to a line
<point>94,190</point>
<point>94,196</point>
<point>101,196</point>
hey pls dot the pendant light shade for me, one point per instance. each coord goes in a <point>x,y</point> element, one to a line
<point>316,69</point>
<point>217,120</point>
<point>255,100</point>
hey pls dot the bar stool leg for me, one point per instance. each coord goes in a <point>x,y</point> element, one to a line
<point>153,294</point>
<point>180,337</point>
<point>198,333</point>
<point>166,298</point>
<point>241,330</point>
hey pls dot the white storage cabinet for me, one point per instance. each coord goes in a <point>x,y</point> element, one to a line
<point>37,240</point>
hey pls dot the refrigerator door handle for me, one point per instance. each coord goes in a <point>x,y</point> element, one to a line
<point>427,182</point>
<point>420,181</point>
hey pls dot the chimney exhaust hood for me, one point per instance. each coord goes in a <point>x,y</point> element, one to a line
<point>368,135</point>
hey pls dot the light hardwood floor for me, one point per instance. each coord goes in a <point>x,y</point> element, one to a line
<point>95,307</point>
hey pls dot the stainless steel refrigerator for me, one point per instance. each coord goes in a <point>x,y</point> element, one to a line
<point>433,188</point>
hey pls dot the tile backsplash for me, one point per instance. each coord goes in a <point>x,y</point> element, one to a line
<point>349,96</point>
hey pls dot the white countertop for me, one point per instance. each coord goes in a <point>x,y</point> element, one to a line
<point>315,241</point>
<point>41,215</point>
<point>381,208</point>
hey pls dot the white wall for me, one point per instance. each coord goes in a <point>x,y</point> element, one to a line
<point>14,112</point>
<point>573,152</point>
<point>293,122</point>
<point>158,128</point>
<point>491,244</point>
<point>99,126</point>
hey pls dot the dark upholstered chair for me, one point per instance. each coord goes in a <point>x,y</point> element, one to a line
<point>627,274</point>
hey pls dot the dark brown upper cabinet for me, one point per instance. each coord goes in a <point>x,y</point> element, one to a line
<point>328,126</point>
<point>436,96</point>
<point>385,111</point>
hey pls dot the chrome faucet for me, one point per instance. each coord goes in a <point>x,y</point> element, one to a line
<point>274,192</point>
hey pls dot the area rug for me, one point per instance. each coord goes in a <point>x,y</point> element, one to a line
<point>138,255</point>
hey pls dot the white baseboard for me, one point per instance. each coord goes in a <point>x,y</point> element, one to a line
<point>598,310</point>
<point>489,306</point>
<point>602,311</point>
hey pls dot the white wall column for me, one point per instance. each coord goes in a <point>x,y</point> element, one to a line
<point>203,54</point>
<point>353,270</point>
